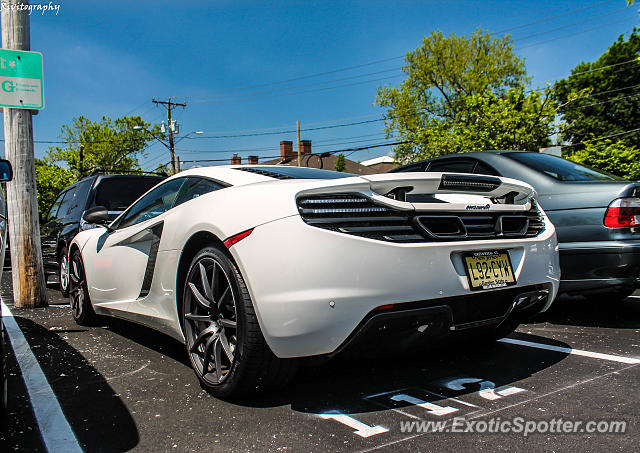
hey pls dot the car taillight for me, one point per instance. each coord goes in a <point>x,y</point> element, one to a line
<point>623,213</point>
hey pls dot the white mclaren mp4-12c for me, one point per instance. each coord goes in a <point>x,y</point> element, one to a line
<point>253,267</point>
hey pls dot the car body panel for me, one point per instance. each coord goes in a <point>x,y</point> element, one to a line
<point>293,270</point>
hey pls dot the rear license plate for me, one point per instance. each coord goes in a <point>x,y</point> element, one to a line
<point>489,269</point>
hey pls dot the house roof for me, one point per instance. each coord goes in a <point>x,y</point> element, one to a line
<point>328,162</point>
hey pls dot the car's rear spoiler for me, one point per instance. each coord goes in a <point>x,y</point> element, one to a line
<point>460,192</point>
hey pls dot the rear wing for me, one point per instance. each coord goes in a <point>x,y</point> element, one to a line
<point>436,191</point>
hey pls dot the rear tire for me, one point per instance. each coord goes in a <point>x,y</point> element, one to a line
<point>81,308</point>
<point>223,338</point>
<point>63,272</point>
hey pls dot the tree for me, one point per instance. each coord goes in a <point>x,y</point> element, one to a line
<point>601,98</point>
<point>465,94</point>
<point>340,163</point>
<point>50,181</point>
<point>106,145</point>
<point>614,157</point>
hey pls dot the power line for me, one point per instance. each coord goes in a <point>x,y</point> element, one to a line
<point>573,34</point>
<point>589,19</point>
<point>602,138</point>
<point>546,19</point>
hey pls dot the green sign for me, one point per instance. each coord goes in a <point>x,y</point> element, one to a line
<point>21,79</point>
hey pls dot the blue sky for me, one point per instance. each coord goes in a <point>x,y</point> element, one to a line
<point>231,60</point>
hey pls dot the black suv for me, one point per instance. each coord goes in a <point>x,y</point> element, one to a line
<point>64,220</point>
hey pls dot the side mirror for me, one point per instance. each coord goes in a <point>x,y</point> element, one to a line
<point>98,214</point>
<point>6,172</point>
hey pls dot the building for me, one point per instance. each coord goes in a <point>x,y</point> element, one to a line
<point>309,159</point>
<point>380,164</point>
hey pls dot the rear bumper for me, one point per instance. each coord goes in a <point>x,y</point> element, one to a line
<point>599,265</point>
<point>312,288</point>
<point>418,323</point>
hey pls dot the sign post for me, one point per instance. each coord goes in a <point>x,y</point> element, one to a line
<point>21,96</point>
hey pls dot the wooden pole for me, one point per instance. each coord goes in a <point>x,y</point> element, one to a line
<point>170,106</point>
<point>29,288</point>
<point>299,152</point>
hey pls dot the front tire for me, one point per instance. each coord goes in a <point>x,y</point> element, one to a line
<point>224,342</point>
<point>81,308</point>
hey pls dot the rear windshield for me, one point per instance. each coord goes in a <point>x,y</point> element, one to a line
<point>299,172</point>
<point>116,194</point>
<point>562,169</point>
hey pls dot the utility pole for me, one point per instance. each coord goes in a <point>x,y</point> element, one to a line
<point>299,152</point>
<point>170,106</point>
<point>24,230</point>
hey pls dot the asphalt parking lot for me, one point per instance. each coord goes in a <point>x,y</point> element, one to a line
<point>123,387</point>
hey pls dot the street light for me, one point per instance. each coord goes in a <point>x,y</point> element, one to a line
<point>170,146</point>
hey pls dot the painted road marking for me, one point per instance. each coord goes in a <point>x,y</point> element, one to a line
<point>361,429</point>
<point>487,388</point>
<point>54,427</point>
<point>430,407</point>
<point>580,352</point>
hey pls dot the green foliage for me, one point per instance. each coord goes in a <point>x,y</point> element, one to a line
<point>341,165</point>
<point>50,181</point>
<point>601,98</point>
<point>106,145</point>
<point>465,94</point>
<point>614,157</point>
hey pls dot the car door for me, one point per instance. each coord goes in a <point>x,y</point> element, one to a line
<point>120,264</point>
<point>192,188</point>
<point>51,228</point>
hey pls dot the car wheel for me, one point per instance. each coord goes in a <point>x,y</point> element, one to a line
<point>81,308</point>
<point>225,344</point>
<point>63,272</point>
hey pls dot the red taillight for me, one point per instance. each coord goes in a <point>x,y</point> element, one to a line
<point>623,213</point>
<point>237,238</point>
<point>383,307</point>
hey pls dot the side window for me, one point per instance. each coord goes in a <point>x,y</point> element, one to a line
<point>53,212</point>
<point>453,165</point>
<point>159,200</point>
<point>65,205</point>
<point>79,199</point>
<point>194,187</point>
<point>484,169</point>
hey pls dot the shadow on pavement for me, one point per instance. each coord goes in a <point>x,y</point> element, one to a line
<point>578,311</point>
<point>343,383</point>
<point>97,415</point>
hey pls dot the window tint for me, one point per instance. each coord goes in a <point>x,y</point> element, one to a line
<point>66,204</point>
<point>53,212</point>
<point>296,172</point>
<point>79,199</point>
<point>153,204</point>
<point>561,169</point>
<point>484,169</point>
<point>117,193</point>
<point>194,187</point>
<point>453,165</point>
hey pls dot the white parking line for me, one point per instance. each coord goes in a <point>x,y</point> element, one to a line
<point>594,355</point>
<point>54,427</point>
